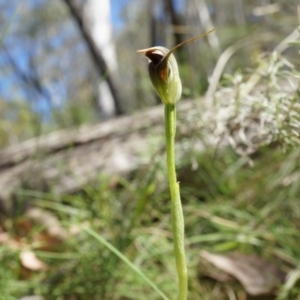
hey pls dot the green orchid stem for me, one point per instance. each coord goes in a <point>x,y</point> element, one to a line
<point>177,213</point>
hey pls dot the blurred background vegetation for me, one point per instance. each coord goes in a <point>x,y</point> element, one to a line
<point>67,63</point>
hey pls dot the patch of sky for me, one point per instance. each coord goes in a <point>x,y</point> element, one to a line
<point>117,7</point>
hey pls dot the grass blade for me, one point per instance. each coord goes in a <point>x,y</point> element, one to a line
<point>125,260</point>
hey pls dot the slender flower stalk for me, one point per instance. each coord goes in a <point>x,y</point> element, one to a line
<point>164,75</point>
<point>176,213</point>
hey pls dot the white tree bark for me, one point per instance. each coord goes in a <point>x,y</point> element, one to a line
<point>97,19</point>
<point>206,21</point>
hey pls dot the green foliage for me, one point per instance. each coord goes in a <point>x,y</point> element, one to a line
<point>238,170</point>
<point>238,197</point>
<point>17,122</point>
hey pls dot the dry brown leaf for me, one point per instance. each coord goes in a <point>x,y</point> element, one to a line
<point>4,237</point>
<point>32,298</point>
<point>257,275</point>
<point>30,261</point>
<point>6,240</point>
<point>49,221</point>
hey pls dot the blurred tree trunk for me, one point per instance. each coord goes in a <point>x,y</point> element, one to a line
<point>157,31</point>
<point>165,20</point>
<point>175,20</point>
<point>206,21</point>
<point>239,12</point>
<point>95,27</point>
